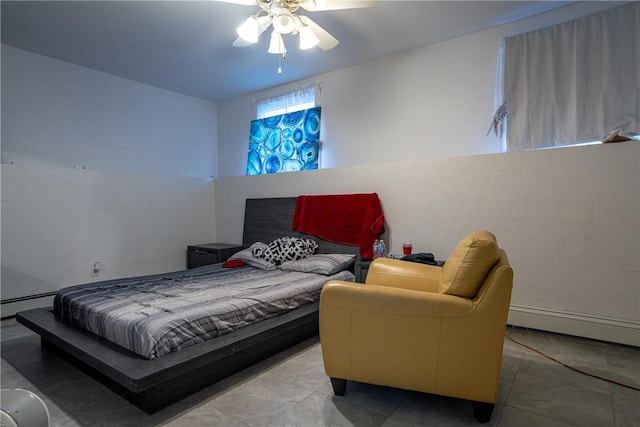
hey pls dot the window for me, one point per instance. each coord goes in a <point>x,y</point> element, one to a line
<point>285,133</point>
<point>573,82</point>
<point>303,98</point>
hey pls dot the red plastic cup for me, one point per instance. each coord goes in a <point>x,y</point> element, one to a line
<point>406,248</point>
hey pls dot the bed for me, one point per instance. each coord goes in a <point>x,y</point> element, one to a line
<point>156,382</point>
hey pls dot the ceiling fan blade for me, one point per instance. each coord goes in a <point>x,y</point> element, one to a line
<point>319,5</point>
<point>240,42</point>
<point>327,41</point>
<point>242,2</point>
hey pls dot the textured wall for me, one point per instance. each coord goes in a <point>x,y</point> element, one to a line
<point>567,218</point>
<point>57,222</point>
<point>62,115</point>
<point>431,102</point>
<point>146,192</point>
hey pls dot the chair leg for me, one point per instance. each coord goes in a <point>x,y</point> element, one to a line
<point>482,411</point>
<point>339,386</point>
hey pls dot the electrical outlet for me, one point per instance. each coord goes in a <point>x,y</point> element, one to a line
<point>97,268</point>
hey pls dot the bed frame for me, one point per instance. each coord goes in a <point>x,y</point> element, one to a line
<point>154,384</point>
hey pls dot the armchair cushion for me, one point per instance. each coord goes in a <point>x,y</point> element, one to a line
<point>469,263</point>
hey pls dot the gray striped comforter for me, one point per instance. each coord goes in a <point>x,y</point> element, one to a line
<point>159,314</point>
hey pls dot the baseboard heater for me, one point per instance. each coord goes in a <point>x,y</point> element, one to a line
<point>26,298</point>
<point>10,306</point>
<point>581,325</point>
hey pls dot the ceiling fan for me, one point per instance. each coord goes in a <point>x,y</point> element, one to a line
<point>282,17</point>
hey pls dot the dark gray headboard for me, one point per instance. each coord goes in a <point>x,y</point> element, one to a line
<point>268,219</point>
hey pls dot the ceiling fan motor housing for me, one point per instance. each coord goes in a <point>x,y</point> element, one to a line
<point>283,21</point>
<point>280,14</point>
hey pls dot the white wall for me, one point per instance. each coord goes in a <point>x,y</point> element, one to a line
<point>146,192</point>
<point>433,102</point>
<point>58,222</point>
<point>567,218</point>
<point>412,127</point>
<point>58,114</point>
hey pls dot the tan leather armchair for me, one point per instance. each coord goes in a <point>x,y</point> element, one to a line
<point>419,327</point>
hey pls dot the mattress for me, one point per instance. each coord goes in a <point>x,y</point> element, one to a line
<point>159,314</point>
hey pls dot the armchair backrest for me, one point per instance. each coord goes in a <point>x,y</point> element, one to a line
<point>469,264</point>
<point>500,276</point>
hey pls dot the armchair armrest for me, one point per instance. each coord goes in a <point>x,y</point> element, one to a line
<point>404,274</point>
<point>402,328</point>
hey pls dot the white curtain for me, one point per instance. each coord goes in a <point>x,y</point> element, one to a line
<point>574,82</point>
<point>301,98</point>
<point>499,122</point>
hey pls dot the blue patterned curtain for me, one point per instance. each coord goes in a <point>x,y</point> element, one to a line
<point>285,143</point>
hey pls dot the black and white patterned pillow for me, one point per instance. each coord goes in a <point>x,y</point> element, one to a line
<point>286,249</point>
<point>246,256</point>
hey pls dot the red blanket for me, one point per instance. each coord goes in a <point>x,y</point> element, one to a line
<point>350,219</point>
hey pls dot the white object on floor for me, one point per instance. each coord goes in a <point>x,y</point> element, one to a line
<point>22,408</point>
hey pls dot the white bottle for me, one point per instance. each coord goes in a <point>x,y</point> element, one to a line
<point>377,248</point>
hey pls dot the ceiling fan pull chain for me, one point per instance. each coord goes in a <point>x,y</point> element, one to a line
<point>284,55</point>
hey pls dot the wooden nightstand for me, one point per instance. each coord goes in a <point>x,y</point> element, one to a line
<point>210,253</point>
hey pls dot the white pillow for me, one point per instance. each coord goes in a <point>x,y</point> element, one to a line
<point>327,264</point>
<point>246,256</point>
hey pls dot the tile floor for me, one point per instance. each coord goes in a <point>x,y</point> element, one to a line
<point>291,389</point>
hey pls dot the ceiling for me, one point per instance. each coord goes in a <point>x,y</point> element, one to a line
<point>185,46</point>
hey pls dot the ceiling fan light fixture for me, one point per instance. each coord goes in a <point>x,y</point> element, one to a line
<point>283,21</point>
<point>249,30</point>
<point>308,39</point>
<point>276,44</point>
